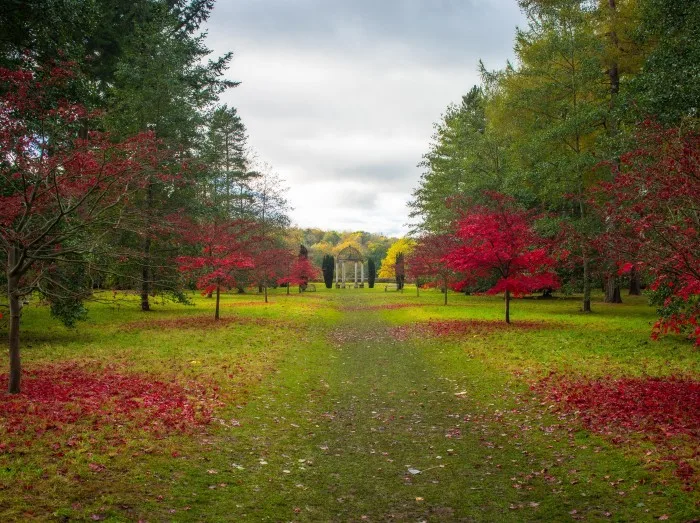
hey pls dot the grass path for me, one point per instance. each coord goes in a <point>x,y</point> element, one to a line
<point>357,426</point>
<point>328,415</point>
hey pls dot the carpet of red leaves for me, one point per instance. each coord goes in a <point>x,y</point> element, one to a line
<point>383,307</point>
<point>458,328</point>
<point>56,397</point>
<point>658,409</point>
<point>200,322</point>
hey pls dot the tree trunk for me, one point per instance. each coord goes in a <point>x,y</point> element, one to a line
<point>586,286</point>
<point>265,289</point>
<point>218,292</point>
<point>612,290</point>
<point>146,275</point>
<point>635,283</point>
<point>146,269</point>
<point>507,306</point>
<point>15,314</point>
<point>240,289</point>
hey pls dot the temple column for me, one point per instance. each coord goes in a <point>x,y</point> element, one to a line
<point>343,274</point>
<point>362,274</point>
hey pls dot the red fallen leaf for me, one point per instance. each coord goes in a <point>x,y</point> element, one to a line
<point>95,467</point>
<point>660,409</point>
<point>444,328</point>
<point>57,395</point>
<point>97,517</point>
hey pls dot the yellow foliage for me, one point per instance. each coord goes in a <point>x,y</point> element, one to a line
<point>405,246</point>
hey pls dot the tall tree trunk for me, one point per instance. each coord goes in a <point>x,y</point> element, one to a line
<point>586,307</point>
<point>612,290</point>
<point>265,289</point>
<point>146,275</point>
<point>218,292</point>
<point>15,314</point>
<point>507,298</point>
<point>635,283</point>
<point>146,271</point>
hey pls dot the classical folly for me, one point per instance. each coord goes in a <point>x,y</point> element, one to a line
<point>347,257</point>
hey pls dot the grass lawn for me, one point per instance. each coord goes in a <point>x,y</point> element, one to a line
<point>343,405</point>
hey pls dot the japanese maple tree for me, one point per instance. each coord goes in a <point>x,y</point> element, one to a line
<point>60,190</point>
<point>302,271</point>
<point>222,254</point>
<point>427,259</point>
<point>654,210</point>
<point>498,241</point>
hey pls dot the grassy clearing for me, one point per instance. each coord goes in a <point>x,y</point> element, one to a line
<point>326,415</point>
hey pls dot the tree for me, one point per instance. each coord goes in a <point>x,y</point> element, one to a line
<point>499,241</point>
<point>163,82</point>
<point>388,266</point>
<point>58,194</point>
<point>328,268</point>
<point>654,206</point>
<point>464,159</point>
<point>400,271</point>
<point>222,253</point>
<point>428,259</point>
<point>371,273</point>
<point>302,272</point>
<point>269,208</point>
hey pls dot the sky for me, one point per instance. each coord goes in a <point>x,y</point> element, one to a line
<point>340,96</point>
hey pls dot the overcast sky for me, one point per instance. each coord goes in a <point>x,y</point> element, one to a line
<point>340,95</point>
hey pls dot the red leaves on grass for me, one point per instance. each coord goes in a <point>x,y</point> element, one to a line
<point>57,396</point>
<point>463,327</point>
<point>657,408</point>
<point>200,322</point>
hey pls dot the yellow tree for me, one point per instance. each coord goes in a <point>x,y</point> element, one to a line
<point>403,246</point>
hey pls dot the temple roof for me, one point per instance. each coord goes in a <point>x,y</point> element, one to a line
<point>350,254</point>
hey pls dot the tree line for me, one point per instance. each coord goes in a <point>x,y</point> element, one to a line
<point>120,167</point>
<point>585,146</point>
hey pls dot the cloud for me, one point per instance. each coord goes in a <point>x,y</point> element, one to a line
<point>340,97</point>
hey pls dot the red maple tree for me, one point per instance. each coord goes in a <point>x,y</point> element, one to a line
<point>427,259</point>
<point>302,272</point>
<point>61,188</point>
<point>222,253</point>
<point>498,241</point>
<point>654,210</point>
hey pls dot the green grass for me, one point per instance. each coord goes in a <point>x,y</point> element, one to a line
<point>325,411</point>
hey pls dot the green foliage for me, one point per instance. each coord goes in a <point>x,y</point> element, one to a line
<point>371,272</point>
<point>328,269</point>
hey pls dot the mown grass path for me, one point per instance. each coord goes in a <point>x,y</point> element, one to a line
<point>342,405</point>
<point>358,425</point>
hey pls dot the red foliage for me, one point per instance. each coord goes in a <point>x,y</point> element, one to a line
<point>654,206</point>
<point>201,322</point>
<point>302,272</point>
<point>222,253</point>
<point>498,240</point>
<point>459,328</point>
<point>659,408</point>
<point>427,258</point>
<point>56,396</point>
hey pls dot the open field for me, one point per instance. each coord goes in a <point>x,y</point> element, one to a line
<point>346,405</point>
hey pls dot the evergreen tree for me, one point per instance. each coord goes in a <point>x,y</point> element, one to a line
<point>371,272</point>
<point>328,268</point>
